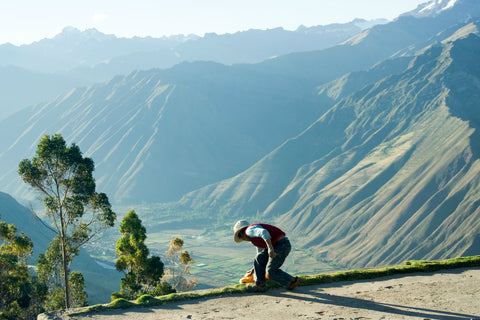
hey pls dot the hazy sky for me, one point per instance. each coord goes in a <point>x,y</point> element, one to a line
<point>25,21</point>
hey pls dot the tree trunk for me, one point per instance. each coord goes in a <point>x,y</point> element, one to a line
<point>63,246</point>
<point>65,272</point>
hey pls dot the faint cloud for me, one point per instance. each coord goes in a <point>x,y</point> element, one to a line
<point>99,17</point>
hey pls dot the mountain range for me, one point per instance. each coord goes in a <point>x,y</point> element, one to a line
<point>158,134</point>
<point>75,58</point>
<point>366,152</point>
<point>73,49</point>
<point>390,171</point>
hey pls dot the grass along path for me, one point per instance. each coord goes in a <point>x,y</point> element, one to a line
<point>351,275</point>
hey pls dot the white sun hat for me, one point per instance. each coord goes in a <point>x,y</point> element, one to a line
<point>239,226</point>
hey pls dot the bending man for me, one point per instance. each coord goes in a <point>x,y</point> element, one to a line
<point>272,249</point>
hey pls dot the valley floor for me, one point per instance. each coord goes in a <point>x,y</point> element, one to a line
<point>451,294</point>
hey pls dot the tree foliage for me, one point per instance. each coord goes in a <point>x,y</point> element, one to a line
<point>178,267</point>
<point>77,286</point>
<point>142,273</point>
<point>65,178</point>
<point>18,294</point>
<point>50,275</point>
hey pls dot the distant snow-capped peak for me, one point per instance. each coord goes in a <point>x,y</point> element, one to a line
<point>438,5</point>
<point>432,8</point>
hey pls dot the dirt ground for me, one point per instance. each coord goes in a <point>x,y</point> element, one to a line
<point>452,294</point>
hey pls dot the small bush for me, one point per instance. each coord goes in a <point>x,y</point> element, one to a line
<point>148,300</point>
<point>120,304</point>
<point>90,309</point>
<point>162,289</point>
<point>118,295</point>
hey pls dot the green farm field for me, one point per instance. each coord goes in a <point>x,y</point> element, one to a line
<point>219,261</point>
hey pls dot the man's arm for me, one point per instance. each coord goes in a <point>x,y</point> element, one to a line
<point>271,251</point>
<point>258,231</point>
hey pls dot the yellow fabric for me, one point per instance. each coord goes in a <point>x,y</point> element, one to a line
<point>248,277</point>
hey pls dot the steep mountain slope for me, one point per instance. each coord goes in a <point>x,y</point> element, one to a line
<point>409,182</point>
<point>390,173</point>
<point>13,212</point>
<point>100,282</point>
<point>38,72</point>
<point>405,35</point>
<point>342,87</point>
<point>20,88</point>
<point>156,135</point>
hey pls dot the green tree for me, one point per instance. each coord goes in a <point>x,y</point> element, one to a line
<point>142,274</point>
<point>77,211</point>
<point>17,292</point>
<point>178,267</point>
<point>49,270</point>
<point>77,286</point>
<point>49,267</point>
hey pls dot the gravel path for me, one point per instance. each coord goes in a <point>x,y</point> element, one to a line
<point>452,294</point>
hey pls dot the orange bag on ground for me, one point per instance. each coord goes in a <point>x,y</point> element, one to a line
<point>248,277</point>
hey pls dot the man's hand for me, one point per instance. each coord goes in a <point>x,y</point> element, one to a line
<point>271,251</point>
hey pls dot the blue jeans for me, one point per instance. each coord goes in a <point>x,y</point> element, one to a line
<point>263,263</point>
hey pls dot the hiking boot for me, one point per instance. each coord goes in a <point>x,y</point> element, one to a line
<point>258,287</point>
<point>294,283</point>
